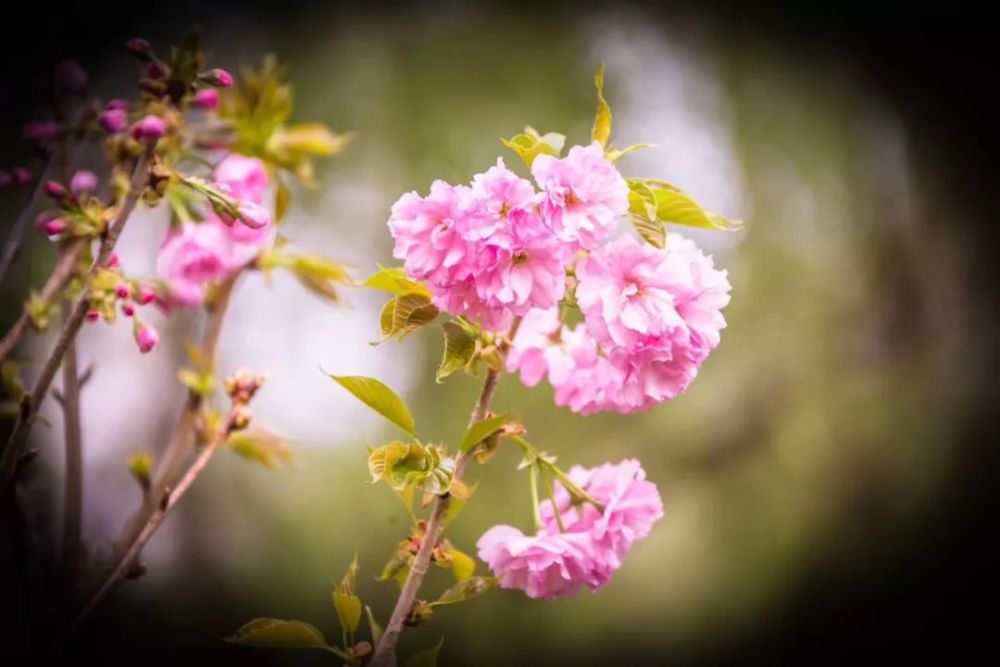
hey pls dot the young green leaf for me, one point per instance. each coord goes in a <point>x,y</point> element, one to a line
<point>379,398</point>
<point>676,207</point>
<point>260,444</point>
<point>530,144</point>
<point>393,280</point>
<point>277,633</point>
<point>466,589</point>
<point>373,626</point>
<point>459,350</point>
<point>482,430</point>
<point>463,566</point>
<point>427,657</point>
<point>602,120</point>
<point>406,313</point>
<point>346,603</point>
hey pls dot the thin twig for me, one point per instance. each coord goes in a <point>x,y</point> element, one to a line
<point>12,244</point>
<point>57,281</point>
<point>72,546</point>
<point>182,440</point>
<point>31,402</point>
<point>385,651</point>
<point>152,524</point>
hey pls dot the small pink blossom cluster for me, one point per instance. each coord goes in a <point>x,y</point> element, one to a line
<point>498,248</point>
<point>651,317</point>
<point>127,294</point>
<point>555,563</point>
<point>197,254</point>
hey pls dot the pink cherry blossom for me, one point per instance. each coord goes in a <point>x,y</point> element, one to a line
<point>501,193</point>
<point>83,182</point>
<point>583,195</point>
<point>146,337</point>
<point>543,566</point>
<point>631,503</point>
<point>191,258</point>
<point>149,129</point>
<point>206,99</point>
<point>246,180</point>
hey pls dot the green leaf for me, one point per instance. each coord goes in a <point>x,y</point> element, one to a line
<point>614,154</point>
<point>602,120</point>
<point>346,603</point>
<point>201,384</point>
<point>463,566</point>
<point>466,589</point>
<point>402,464</point>
<point>13,385</point>
<point>481,430</point>
<point>373,626</point>
<point>282,200</point>
<point>379,398</point>
<point>459,350</point>
<point>393,280</point>
<point>398,567</point>
<point>260,444</point>
<point>406,313</point>
<point>654,204</point>
<point>427,657</point>
<point>642,213</point>
<point>274,632</point>
<point>318,274</point>
<point>530,144</point>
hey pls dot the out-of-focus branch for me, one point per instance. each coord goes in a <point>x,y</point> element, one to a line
<point>12,244</point>
<point>385,651</point>
<point>33,400</point>
<point>72,546</point>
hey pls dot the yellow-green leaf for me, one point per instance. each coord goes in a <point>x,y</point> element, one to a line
<point>406,313</point>
<point>393,279</point>
<point>602,120</point>
<point>530,144</point>
<point>481,430</point>
<point>274,632</point>
<point>379,398</point>
<point>463,566</point>
<point>282,200</point>
<point>459,350</point>
<point>260,444</point>
<point>373,626</point>
<point>465,589</point>
<point>348,609</point>
<point>427,657</point>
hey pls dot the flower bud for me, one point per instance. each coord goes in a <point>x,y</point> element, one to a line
<point>71,77</point>
<point>140,465</point>
<point>113,121</point>
<point>52,226</point>
<point>21,175</point>
<point>253,215</point>
<point>241,417</point>
<point>117,103</point>
<point>216,77</point>
<point>113,260</point>
<point>144,294</point>
<point>156,71</point>
<point>56,190</point>
<point>206,99</point>
<point>149,129</point>
<point>83,181</point>
<point>139,47</point>
<point>40,133</point>
<point>93,315</point>
<point>146,336</point>
<point>123,291</point>
<point>128,310</point>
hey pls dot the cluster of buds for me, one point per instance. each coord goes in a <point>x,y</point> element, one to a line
<point>78,212</point>
<point>240,388</point>
<point>110,290</point>
<point>15,176</point>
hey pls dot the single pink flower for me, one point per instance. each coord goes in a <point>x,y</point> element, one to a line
<point>543,566</point>
<point>631,503</point>
<point>246,180</point>
<point>583,195</point>
<point>191,258</point>
<point>83,182</point>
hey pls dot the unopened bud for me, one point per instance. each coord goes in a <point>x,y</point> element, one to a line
<point>83,182</point>
<point>206,99</point>
<point>139,47</point>
<point>56,190</point>
<point>144,294</point>
<point>128,310</point>
<point>40,133</point>
<point>52,226</point>
<point>145,335</point>
<point>493,358</point>
<point>114,261</point>
<point>156,71</point>
<point>71,77</point>
<point>123,291</point>
<point>117,104</point>
<point>93,315</point>
<point>21,175</point>
<point>216,77</point>
<point>140,464</point>
<point>113,121</point>
<point>241,417</point>
<point>149,129</point>
<point>253,215</point>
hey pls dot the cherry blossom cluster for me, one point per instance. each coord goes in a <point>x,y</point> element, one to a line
<point>499,248</point>
<point>577,544</point>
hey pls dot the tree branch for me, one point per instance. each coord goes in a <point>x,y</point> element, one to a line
<point>72,547</point>
<point>385,651</point>
<point>31,402</point>
<point>12,244</point>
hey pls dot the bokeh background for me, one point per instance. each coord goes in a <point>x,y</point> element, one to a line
<point>828,479</point>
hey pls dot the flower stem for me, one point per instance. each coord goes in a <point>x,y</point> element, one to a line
<point>550,492</point>
<point>30,403</point>
<point>385,651</point>
<point>533,473</point>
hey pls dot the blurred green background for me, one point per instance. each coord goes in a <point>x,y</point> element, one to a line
<point>803,472</point>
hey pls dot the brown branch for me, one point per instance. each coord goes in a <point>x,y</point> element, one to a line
<point>385,651</point>
<point>12,244</point>
<point>153,522</point>
<point>32,401</point>
<point>72,546</point>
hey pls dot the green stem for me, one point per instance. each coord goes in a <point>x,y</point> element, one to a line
<point>549,491</point>
<point>533,471</point>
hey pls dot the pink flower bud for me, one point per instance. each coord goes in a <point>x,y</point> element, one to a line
<point>93,315</point>
<point>253,215</point>
<point>113,120</point>
<point>6,178</point>
<point>207,99</point>
<point>71,77</point>
<point>52,226</point>
<point>146,336</point>
<point>128,310</point>
<point>149,129</point>
<point>56,190</point>
<point>114,261</point>
<point>40,133</point>
<point>117,103</point>
<point>145,294</point>
<point>155,70</point>
<point>83,181</point>
<point>123,291</point>
<point>21,175</point>
<point>217,77</point>
<point>139,47</point>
